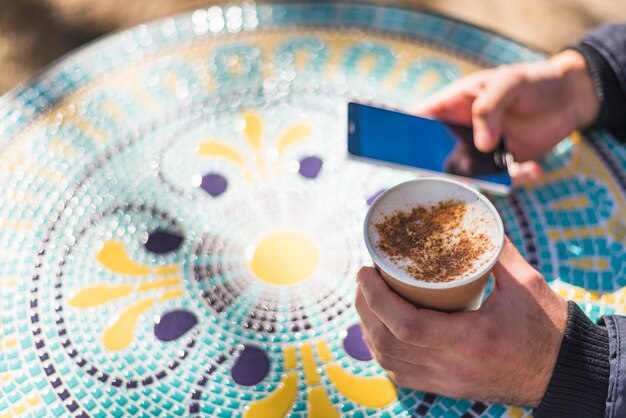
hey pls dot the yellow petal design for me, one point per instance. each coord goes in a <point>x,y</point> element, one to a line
<point>121,333</point>
<point>98,294</point>
<point>290,357</point>
<point>217,149</point>
<point>310,370</point>
<point>323,351</point>
<point>294,134</point>
<point>167,269</point>
<point>319,404</point>
<point>172,294</point>
<point>372,392</point>
<point>158,283</point>
<point>253,130</point>
<point>113,256</point>
<point>278,403</point>
<point>254,134</point>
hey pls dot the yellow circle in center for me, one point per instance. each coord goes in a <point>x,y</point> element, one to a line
<point>284,258</point>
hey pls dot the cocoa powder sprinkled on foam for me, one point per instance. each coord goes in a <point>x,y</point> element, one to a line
<point>430,242</point>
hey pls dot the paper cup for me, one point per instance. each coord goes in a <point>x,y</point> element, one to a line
<point>462,294</point>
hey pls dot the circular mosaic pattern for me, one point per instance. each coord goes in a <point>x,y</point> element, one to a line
<point>180,226</point>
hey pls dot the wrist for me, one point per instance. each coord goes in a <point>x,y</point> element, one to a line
<point>578,85</point>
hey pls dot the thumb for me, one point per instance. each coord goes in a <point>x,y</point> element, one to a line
<point>511,266</point>
<point>525,173</point>
<point>490,107</point>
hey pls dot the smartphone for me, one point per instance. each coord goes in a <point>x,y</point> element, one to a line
<point>428,145</point>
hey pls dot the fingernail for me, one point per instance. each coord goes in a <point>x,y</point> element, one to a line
<point>481,140</point>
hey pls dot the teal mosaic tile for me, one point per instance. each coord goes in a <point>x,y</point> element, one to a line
<point>99,414</point>
<point>496,410</point>
<point>177,396</point>
<point>58,410</point>
<point>40,412</point>
<point>116,412</point>
<point>463,405</point>
<point>106,403</point>
<point>437,411</point>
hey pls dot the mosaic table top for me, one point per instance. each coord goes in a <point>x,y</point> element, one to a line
<point>180,227</point>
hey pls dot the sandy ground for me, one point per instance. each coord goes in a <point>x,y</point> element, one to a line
<point>35,32</point>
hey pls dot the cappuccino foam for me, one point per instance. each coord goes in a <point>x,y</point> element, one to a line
<point>443,241</point>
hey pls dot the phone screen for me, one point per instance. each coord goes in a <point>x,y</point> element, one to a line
<point>427,144</point>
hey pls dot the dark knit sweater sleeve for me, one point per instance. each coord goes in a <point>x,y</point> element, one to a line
<point>604,50</point>
<point>580,380</point>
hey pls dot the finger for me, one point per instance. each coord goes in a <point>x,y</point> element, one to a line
<point>454,109</point>
<point>421,327</point>
<point>489,108</point>
<point>372,326</point>
<point>419,378</point>
<point>383,343</point>
<point>397,366</point>
<point>453,103</point>
<point>366,339</point>
<point>525,173</point>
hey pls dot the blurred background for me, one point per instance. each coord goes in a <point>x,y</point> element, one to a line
<point>35,32</point>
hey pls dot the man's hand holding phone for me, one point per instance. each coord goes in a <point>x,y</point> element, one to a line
<point>533,105</point>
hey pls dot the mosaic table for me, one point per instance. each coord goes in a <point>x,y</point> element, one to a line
<point>180,227</point>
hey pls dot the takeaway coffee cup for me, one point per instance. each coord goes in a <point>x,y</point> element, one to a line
<point>479,221</point>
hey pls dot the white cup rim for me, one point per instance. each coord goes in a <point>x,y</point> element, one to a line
<point>380,262</point>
